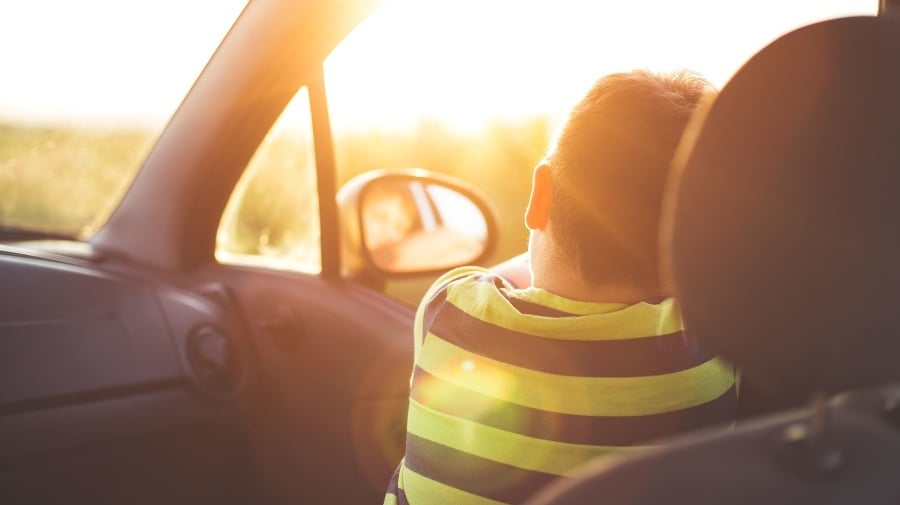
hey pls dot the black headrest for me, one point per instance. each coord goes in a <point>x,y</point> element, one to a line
<point>785,217</point>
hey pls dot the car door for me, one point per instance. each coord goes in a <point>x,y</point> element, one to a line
<point>138,368</point>
<point>328,359</point>
<point>99,402</point>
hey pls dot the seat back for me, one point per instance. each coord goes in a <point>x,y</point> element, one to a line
<point>785,253</point>
<point>784,227</point>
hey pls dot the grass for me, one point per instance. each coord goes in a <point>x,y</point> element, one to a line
<point>67,181</point>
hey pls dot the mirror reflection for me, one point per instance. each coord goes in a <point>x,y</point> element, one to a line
<point>410,225</point>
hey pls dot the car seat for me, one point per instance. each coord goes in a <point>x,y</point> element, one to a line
<point>784,227</point>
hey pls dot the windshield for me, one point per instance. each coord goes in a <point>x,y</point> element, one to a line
<point>452,86</point>
<point>466,63</point>
<point>88,87</point>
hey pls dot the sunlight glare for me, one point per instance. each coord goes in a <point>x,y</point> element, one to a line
<point>471,61</point>
<point>110,61</point>
<point>465,62</point>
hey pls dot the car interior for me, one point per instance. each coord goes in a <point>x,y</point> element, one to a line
<point>140,365</point>
<point>794,167</point>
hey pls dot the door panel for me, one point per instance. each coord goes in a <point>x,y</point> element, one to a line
<point>108,399</point>
<point>100,401</point>
<point>326,396</point>
<point>68,330</point>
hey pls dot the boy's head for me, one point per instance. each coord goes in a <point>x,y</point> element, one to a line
<point>597,194</point>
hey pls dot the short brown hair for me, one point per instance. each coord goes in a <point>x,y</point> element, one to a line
<point>608,166</point>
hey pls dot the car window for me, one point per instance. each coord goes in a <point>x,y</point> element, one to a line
<point>87,88</point>
<point>475,88</point>
<point>272,217</point>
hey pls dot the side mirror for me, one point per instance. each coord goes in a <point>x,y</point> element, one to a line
<point>399,223</point>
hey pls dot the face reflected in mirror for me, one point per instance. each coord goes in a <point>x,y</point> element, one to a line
<point>410,225</point>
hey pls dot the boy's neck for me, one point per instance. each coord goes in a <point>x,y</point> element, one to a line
<point>554,273</point>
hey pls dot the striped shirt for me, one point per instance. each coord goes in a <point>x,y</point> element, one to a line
<point>513,388</point>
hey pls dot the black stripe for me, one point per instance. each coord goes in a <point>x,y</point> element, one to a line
<point>615,431</point>
<point>471,473</point>
<point>634,357</point>
<point>401,497</point>
<point>394,488</point>
<point>536,309</point>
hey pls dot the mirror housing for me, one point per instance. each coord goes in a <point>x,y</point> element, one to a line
<point>402,223</point>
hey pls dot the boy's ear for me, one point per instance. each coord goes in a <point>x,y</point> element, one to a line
<point>539,203</point>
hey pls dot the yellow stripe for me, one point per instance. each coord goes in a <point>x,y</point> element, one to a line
<point>588,396</point>
<point>483,301</point>
<point>421,489</point>
<point>390,499</point>
<point>502,446</point>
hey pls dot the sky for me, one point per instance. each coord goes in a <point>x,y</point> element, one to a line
<point>106,60</point>
<point>468,60</point>
<point>461,61</point>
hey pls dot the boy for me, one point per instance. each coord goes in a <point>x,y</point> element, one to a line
<point>574,350</point>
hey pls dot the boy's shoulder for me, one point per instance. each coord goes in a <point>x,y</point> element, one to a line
<point>468,278</point>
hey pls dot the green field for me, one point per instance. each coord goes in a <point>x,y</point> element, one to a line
<point>67,181</point>
<point>63,180</point>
